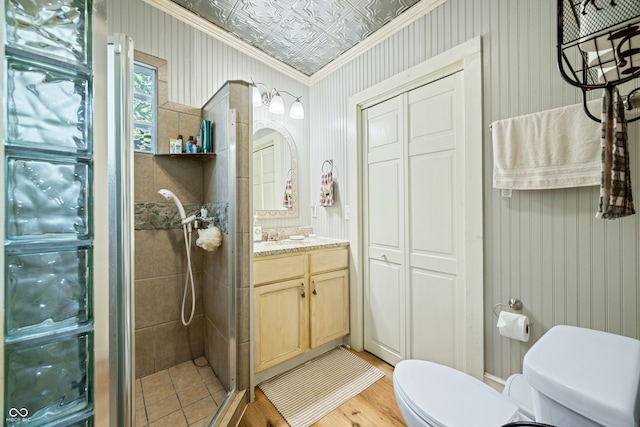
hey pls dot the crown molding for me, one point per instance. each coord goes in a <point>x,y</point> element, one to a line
<point>415,12</point>
<point>201,24</point>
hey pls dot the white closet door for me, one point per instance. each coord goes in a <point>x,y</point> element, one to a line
<point>384,293</point>
<point>436,221</point>
<point>415,197</point>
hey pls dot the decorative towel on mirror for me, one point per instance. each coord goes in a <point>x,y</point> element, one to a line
<point>288,195</point>
<point>616,199</point>
<point>326,189</point>
<point>558,148</point>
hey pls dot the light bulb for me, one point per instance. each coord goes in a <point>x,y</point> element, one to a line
<point>297,111</point>
<point>277,104</point>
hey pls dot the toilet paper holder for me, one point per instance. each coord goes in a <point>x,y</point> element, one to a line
<point>514,305</point>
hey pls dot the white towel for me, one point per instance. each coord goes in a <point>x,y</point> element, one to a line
<point>558,148</point>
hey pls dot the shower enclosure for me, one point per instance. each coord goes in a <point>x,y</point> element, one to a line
<point>227,270</point>
<point>68,325</point>
<point>170,354</point>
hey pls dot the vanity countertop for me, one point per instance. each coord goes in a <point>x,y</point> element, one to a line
<point>286,246</point>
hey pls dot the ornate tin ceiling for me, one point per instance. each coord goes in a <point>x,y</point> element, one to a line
<point>305,34</point>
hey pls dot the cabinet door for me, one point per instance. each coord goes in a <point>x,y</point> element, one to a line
<point>281,322</point>
<point>329,306</point>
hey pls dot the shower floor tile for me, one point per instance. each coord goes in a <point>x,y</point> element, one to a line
<point>186,395</point>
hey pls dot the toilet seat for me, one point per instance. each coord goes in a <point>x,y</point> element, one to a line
<point>442,396</point>
<point>518,390</point>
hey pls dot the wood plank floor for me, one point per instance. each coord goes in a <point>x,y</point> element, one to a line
<point>374,407</point>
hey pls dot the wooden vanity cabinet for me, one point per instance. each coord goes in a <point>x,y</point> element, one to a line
<point>281,317</point>
<point>329,301</point>
<point>301,301</point>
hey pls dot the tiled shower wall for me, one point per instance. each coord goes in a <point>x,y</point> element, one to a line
<point>160,257</point>
<point>161,266</point>
<point>218,191</point>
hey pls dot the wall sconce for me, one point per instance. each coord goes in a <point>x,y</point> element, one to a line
<point>272,99</point>
<point>599,45</point>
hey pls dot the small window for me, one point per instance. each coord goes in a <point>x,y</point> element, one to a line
<point>145,111</point>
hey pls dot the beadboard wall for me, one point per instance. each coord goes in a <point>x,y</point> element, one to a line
<point>543,247</point>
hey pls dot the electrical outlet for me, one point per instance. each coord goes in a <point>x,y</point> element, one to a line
<point>314,211</point>
<point>347,212</point>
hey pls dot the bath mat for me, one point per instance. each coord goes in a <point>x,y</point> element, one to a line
<point>309,392</point>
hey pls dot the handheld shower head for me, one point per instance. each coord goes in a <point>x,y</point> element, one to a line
<point>186,228</point>
<point>170,197</point>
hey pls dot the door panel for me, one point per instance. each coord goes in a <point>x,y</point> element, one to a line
<point>432,188</point>
<point>432,109</point>
<point>384,290</point>
<point>436,219</point>
<point>384,200</point>
<point>384,332</point>
<point>433,324</point>
<point>383,129</point>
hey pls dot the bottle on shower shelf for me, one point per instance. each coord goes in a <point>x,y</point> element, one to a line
<point>179,144</point>
<point>191,145</point>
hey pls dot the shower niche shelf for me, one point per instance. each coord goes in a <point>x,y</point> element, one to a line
<point>189,155</point>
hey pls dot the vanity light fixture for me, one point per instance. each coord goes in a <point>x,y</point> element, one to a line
<point>272,98</point>
<point>599,46</point>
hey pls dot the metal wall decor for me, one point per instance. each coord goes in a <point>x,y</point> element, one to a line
<point>599,45</point>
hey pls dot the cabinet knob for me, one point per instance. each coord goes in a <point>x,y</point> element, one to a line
<point>302,289</point>
<point>315,292</point>
<point>384,256</point>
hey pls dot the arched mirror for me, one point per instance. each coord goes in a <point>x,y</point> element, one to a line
<point>275,174</point>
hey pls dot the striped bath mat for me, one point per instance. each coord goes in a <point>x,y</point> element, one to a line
<point>309,392</point>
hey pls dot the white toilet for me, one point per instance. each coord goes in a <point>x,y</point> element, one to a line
<point>572,377</point>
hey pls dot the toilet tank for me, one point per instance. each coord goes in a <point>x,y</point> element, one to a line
<point>582,377</point>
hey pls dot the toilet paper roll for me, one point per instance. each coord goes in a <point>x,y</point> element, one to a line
<point>513,325</point>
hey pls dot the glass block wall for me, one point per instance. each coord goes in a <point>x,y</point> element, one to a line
<point>48,246</point>
<point>145,110</point>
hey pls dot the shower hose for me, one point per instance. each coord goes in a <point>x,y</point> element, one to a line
<point>189,278</point>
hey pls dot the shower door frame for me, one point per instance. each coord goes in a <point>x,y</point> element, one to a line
<point>121,229</point>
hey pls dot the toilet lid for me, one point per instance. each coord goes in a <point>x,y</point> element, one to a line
<point>443,396</point>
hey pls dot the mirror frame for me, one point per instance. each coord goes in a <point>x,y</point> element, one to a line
<point>293,211</point>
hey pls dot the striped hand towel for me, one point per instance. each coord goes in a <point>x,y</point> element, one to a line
<point>288,195</point>
<point>326,189</point>
<point>616,199</point>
